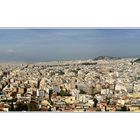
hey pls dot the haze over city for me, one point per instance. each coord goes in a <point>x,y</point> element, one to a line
<point>67,44</point>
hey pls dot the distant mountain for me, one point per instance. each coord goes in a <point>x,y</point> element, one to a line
<point>106,58</point>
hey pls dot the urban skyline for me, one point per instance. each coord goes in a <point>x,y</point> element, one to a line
<point>67,44</point>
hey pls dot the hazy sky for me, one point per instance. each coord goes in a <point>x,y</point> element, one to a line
<point>66,44</point>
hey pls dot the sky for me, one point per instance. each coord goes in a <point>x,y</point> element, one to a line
<point>67,44</point>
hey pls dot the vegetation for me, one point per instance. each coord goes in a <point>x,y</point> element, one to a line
<point>61,72</point>
<point>82,92</point>
<point>32,106</point>
<point>106,58</point>
<point>88,63</point>
<point>75,71</point>
<point>137,60</point>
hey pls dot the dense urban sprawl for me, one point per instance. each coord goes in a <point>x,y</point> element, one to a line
<point>71,86</point>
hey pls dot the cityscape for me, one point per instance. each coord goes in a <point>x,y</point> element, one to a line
<point>69,70</point>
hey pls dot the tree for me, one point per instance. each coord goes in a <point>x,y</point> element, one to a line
<point>32,106</point>
<point>62,92</point>
<point>21,106</point>
<point>95,102</point>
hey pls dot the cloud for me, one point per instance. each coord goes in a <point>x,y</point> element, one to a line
<point>67,43</point>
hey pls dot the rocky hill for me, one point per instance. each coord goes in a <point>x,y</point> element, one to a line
<point>106,58</point>
<point>137,60</point>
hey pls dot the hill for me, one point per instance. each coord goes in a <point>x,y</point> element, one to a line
<point>137,60</point>
<point>106,58</point>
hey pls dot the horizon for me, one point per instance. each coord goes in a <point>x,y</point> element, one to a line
<point>43,45</point>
